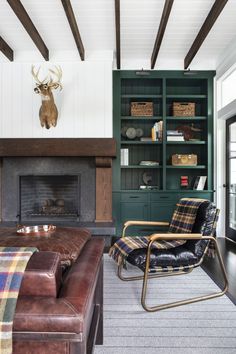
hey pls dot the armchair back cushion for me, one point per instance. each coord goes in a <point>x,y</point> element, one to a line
<point>204,224</point>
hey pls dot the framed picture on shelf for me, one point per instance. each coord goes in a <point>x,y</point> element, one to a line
<point>199,183</point>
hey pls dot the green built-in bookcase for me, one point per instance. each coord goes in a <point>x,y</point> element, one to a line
<point>162,88</point>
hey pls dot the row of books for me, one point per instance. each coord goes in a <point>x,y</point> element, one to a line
<point>174,135</point>
<point>157,131</point>
<point>124,157</point>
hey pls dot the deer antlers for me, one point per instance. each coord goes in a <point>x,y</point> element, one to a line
<point>57,72</point>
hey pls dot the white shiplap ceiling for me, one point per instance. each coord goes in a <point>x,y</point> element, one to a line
<point>139,24</point>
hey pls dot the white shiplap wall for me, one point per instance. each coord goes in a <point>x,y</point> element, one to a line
<point>84,104</point>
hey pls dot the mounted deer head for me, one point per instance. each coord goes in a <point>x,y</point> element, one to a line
<point>48,111</point>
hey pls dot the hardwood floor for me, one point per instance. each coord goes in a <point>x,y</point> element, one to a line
<point>211,266</point>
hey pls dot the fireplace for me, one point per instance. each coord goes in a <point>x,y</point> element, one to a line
<point>48,189</point>
<point>32,173</point>
<point>49,198</point>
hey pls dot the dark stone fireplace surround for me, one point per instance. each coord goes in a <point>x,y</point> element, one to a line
<point>90,159</point>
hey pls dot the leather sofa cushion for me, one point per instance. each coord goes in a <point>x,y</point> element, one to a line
<point>175,257</point>
<point>42,276</point>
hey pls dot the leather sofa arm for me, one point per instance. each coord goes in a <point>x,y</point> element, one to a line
<point>42,276</point>
<point>72,310</point>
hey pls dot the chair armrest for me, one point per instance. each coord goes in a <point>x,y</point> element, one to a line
<point>142,223</point>
<point>173,236</point>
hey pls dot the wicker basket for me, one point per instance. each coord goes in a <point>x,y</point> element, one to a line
<point>183,109</point>
<point>184,160</point>
<point>141,109</point>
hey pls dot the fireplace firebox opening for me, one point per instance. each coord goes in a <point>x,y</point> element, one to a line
<point>49,197</point>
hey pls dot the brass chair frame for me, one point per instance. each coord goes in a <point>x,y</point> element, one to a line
<point>147,275</point>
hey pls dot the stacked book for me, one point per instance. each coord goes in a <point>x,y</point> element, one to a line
<point>157,130</point>
<point>175,135</point>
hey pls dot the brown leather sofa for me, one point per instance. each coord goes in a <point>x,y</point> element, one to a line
<point>59,309</point>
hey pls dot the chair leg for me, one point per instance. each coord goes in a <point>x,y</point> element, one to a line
<point>150,276</point>
<point>187,301</point>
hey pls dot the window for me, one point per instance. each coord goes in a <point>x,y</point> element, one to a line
<point>229,88</point>
<point>226,88</point>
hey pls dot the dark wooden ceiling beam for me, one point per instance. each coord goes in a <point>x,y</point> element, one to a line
<point>117,16</point>
<point>74,27</point>
<point>6,50</point>
<point>161,31</point>
<point>30,28</point>
<point>205,29</point>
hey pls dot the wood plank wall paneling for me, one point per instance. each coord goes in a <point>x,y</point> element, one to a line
<point>103,190</point>
<point>84,104</point>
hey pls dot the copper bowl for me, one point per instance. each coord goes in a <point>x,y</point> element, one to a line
<point>37,230</point>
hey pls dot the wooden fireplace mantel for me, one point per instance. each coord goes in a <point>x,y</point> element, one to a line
<point>97,147</point>
<point>102,149</point>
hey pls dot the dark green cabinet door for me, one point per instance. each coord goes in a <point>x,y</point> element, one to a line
<point>161,211</point>
<point>134,211</point>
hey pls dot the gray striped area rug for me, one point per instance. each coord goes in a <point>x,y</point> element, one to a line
<point>207,327</point>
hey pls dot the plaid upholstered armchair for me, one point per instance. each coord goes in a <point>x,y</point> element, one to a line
<point>191,236</point>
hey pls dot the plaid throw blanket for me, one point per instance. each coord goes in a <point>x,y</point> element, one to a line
<point>182,222</point>
<point>125,245</point>
<point>13,261</point>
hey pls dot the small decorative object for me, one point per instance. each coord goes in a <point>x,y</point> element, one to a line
<point>146,138</point>
<point>190,132</point>
<point>141,109</point>
<point>37,230</point>
<point>184,160</point>
<point>131,133</point>
<point>184,181</point>
<point>147,178</point>
<point>123,131</point>
<point>139,132</point>
<point>148,187</point>
<point>183,109</point>
<point>149,163</point>
<point>48,111</point>
<point>199,183</point>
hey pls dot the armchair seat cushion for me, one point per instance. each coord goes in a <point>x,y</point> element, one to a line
<point>175,257</point>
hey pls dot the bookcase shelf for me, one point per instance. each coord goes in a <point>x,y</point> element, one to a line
<point>134,118</point>
<point>190,119</point>
<point>162,88</point>
<point>141,142</point>
<point>200,167</point>
<point>186,142</point>
<point>141,96</point>
<point>186,96</point>
<point>141,167</point>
